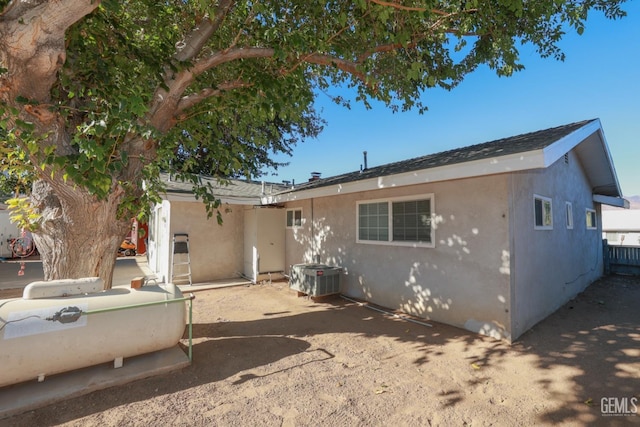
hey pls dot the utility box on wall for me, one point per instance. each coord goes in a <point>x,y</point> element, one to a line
<point>315,279</point>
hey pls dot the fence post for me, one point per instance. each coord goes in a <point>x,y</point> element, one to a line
<point>605,254</point>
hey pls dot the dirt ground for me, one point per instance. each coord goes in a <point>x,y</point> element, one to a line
<point>265,357</point>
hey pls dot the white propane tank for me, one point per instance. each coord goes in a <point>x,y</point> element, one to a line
<point>51,328</point>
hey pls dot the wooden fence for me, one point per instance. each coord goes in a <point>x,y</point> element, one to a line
<point>621,259</point>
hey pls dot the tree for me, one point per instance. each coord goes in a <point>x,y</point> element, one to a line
<point>15,177</point>
<point>97,97</point>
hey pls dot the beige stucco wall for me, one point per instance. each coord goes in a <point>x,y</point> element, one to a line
<point>216,250</point>
<point>463,281</point>
<point>552,266</point>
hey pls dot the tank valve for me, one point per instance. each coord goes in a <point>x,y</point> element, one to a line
<point>66,315</point>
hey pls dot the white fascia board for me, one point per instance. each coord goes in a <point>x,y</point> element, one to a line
<point>494,165</point>
<point>252,201</point>
<point>559,148</point>
<point>612,201</point>
<point>567,143</point>
<point>189,197</point>
<point>607,153</point>
<point>178,197</point>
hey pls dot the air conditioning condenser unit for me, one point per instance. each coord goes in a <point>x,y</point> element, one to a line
<point>315,279</point>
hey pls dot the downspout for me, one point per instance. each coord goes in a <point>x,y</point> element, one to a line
<point>512,259</point>
<point>315,256</point>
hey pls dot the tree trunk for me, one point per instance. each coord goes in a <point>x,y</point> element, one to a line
<point>79,235</point>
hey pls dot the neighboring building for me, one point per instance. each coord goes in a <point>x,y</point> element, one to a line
<point>491,238</point>
<point>621,227</point>
<point>8,231</point>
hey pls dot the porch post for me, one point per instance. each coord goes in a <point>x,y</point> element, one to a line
<point>605,254</point>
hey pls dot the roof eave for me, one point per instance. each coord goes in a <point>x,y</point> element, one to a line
<point>619,202</point>
<point>230,200</point>
<point>494,165</point>
<point>554,151</point>
<point>612,167</point>
<point>528,160</point>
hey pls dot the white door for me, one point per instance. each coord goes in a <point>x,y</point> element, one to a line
<point>264,241</point>
<point>271,238</point>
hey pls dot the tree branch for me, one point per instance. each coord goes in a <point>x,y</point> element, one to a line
<point>399,6</point>
<point>416,9</point>
<point>163,107</point>
<point>191,100</point>
<point>163,116</point>
<point>32,41</point>
<point>196,40</point>
<point>240,32</point>
<point>61,13</point>
<point>343,65</point>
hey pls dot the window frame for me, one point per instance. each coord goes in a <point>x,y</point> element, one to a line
<point>543,199</point>
<point>569,215</point>
<point>389,201</point>
<point>591,213</point>
<point>293,225</point>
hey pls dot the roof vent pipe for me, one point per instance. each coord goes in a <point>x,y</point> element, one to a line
<point>315,176</point>
<point>364,153</point>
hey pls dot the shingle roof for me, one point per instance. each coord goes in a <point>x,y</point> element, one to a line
<point>234,187</point>
<point>516,144</point>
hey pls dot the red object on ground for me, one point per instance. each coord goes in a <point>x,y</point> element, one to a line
<point>141,244</point>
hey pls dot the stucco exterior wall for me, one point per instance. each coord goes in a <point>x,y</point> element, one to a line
<point>463,281</point>
<point>549,267</point>
<point>216,250</point>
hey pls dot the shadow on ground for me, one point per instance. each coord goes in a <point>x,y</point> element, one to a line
<point>588,350</point>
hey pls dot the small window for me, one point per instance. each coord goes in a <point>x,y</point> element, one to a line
<point>543,213</point>
<point>569,214</point>
<point>404,221</point>
<point>591,220</point>
<point>294,218</point>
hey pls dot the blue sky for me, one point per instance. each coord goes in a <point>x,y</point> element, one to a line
<point>600,78</point>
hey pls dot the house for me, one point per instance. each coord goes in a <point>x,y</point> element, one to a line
<point>491,238</point>
<point>621,227</point>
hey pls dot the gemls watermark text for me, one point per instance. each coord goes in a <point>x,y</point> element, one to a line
<point>619,406</point>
